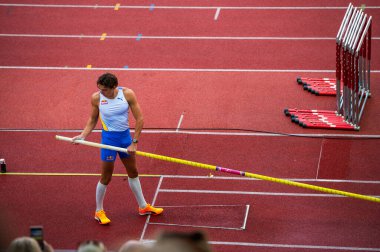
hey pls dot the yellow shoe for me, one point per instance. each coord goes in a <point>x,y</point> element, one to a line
<point>101,217</point>
<point>150,210</point>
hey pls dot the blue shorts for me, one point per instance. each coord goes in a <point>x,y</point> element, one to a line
<point>115,138</point>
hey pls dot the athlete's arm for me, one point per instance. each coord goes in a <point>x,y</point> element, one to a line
<point>136,111</point>
<point>93,119</point>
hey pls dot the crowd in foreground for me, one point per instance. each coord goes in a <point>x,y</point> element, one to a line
<point>166,242</point>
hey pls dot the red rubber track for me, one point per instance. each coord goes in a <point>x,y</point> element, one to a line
<point>151,54</point>
<point>239,101</point>
<point>166,22</point>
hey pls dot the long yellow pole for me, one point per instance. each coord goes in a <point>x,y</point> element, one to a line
<point>226,170</point>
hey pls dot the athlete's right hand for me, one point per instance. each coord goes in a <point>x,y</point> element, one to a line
<point>79,137</point>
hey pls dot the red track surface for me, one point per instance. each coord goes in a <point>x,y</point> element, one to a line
<point>280,217</point>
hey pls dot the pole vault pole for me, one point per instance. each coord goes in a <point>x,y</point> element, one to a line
<point>226,170</point>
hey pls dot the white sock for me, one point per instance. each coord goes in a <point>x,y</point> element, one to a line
<point>134,184</point>
<point>100,193</point>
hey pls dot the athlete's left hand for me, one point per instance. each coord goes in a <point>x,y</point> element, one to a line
<point>132,148</point>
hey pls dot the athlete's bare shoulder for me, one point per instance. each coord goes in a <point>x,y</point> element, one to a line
<point>129,94</point>
<point>95,98</point>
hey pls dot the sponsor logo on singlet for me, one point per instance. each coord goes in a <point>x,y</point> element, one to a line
<point>104,102</point>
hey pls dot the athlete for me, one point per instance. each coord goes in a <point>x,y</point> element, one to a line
<point>111,104</point>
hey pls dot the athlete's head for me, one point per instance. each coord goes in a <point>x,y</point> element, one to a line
<point>108,80</point>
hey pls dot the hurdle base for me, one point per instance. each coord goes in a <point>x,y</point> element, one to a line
<point>319,119</point>
<point>319,86</point>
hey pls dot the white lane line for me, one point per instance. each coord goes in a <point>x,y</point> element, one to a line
<point>291,179</point>
<point>250,244</point>
<point>153,203</point>
<point>257,193</point>
<point>173,69</point>
<point>81,36</point>
<point>199,206</point>
<point>193,226</point>
<point>186,7</point>
<point>210,132</point>
<point>246,217</point>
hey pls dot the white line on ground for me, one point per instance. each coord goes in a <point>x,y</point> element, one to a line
<point>193,226</point>
<point>319,159</point>
<point>173,69</point>
<point>153,202</point>
<point>210,132</point>
<point>257,193</point>
<point>249,244</point>
<point>180,121</point>
<point>185,7</point>
<point>245,217</point>
<point>198,206</point>
<point>82,36</point>
<point>217,14</point>
<point>291,179</point>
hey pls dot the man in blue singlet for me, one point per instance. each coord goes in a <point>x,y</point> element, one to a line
<point>111,104</point>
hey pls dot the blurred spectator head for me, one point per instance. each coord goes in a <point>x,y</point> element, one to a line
<point>24,244</point>
<point>92,246</point>
<point>182,242</point>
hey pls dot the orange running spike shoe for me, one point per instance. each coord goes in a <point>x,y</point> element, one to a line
<point>150,210</point>
<point>101,217</point>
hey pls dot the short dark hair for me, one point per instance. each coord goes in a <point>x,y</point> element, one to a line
<point>108,80</point>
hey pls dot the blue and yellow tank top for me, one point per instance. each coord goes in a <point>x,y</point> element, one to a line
<point>114,112</point>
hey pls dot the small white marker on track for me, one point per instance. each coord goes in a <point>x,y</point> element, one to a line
<point>217,13</point>
<point>180,121</point>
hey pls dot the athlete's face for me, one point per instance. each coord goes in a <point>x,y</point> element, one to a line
<point>107,92</point>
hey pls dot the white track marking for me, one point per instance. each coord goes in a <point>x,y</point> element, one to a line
<point>319,159</point>
<point>153,202</point>
<point>194,226</point>
<point>82,36</point>
<point>184,7</point>
<point>249,244</point>
<point>257,193</point>
<point>66,68</point>
<point>210,132</point>
<point>217,13</point>
<point>245,217</point>
<point>180,121</point>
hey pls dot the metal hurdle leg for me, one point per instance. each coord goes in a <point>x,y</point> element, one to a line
<point>340,57</point>
<point>364,45</point>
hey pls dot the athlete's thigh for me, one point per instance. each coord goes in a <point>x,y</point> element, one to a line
<point>107,171</point>
<point>130,165</point>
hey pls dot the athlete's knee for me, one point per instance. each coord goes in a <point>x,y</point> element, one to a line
<point>133,174</point>
<point>105,180</point>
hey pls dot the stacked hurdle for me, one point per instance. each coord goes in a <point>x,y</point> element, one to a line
<point>319,86</point>
<point>352,84</point>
